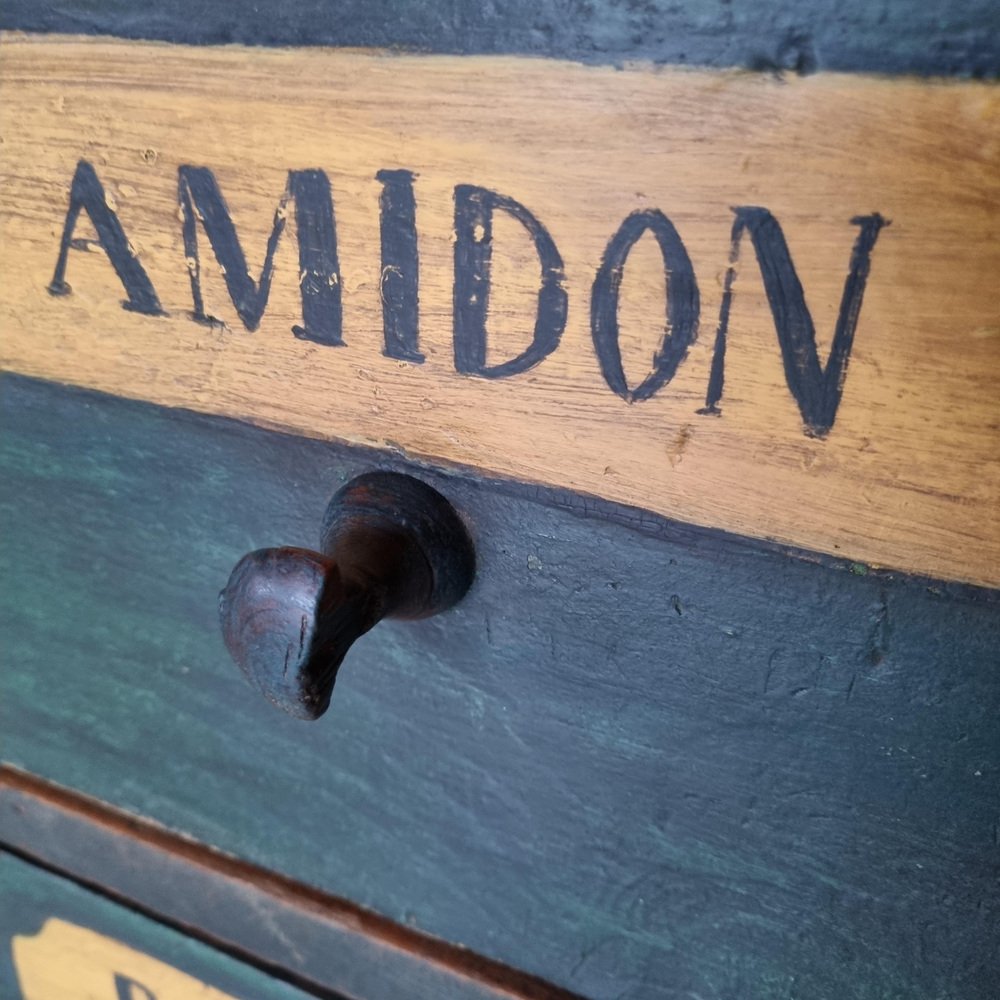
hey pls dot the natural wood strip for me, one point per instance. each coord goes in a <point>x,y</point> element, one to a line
<point>906,478</point>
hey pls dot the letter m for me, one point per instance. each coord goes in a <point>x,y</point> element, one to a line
<point>319,273</point>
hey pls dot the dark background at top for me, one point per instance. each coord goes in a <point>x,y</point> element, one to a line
<point>929,37</point>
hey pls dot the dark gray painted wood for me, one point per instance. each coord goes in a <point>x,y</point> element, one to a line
<point>949,37</point>
<point>31,896</point>
<point>638,760</point>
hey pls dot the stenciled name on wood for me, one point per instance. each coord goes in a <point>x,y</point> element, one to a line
<point>815,386</point>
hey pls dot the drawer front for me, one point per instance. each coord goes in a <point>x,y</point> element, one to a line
<point>686,759</point>
<point>63,942</point>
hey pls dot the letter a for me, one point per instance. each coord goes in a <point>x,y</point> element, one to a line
<point>87,193</point>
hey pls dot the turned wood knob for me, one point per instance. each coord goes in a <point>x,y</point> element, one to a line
<point>390,547</point>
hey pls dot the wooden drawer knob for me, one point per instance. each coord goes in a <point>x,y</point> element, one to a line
<point>391,547</point>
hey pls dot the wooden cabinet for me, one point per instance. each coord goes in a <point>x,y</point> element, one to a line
<point>707,361</point>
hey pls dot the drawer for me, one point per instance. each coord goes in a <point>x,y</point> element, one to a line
<point>326,946</point>
<point>673,753</point>
<point>704,356</point>
<point>64,942</point>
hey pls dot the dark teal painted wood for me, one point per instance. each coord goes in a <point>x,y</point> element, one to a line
<point>639,760</point>
<point>29,896</point>
<point>324,946</point>
<point>940,37</point>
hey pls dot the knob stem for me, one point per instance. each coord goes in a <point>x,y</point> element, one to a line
<point>392,547</point>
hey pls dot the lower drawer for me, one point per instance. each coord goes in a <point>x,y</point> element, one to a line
<point>61,942</point>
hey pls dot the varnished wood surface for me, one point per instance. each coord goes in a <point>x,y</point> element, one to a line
<point>636,759</point>
<point>907,475</point>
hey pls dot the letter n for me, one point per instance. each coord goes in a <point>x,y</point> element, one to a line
<point>87,194</point>
<point>816,389</point>
<point>319,271</point>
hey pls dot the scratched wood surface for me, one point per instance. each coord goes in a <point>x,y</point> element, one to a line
<point>906,476</point>
<point>638,760</point>
<point>953,38</point>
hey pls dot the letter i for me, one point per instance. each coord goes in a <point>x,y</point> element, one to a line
<point>400,266</point>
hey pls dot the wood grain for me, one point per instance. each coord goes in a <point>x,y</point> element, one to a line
<point>906,478</point>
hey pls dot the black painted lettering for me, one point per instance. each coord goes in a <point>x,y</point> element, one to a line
<point>128,989</point>
<point>319,271</point>
<point>474,208</point>
<point>400,266</point>
<point>86,193</point>
<point>817,390</point>
<point>682,304</point>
